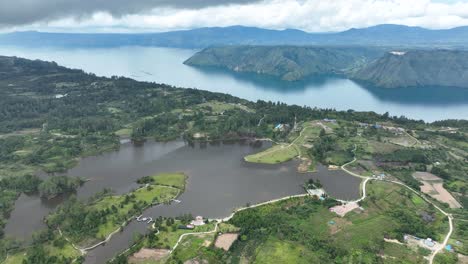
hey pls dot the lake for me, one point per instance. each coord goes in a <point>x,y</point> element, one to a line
<point>219,180</point>
<point>165,65</point>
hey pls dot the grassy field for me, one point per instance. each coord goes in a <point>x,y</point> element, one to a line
<point>176,180</point>
<point>276,154</point>
<point>120,208</point>
<point>277,251</point>
<point>164,187</point>
<point>169,237</point>
<point>190,246</point>
<point>298,225</point>
<point>284,152</point>
<point>146,195</point>
<point>219,107</point>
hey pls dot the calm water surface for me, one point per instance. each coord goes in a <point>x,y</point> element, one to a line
<point>219,181</point>
<point>164,65</point>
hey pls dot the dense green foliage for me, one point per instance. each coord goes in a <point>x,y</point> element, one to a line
<point>414,68</point>
<point>43,131</point>
<point>56,185</point>
<point>289,63</point>
<point>418,68</point>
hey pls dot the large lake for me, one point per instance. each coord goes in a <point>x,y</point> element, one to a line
<point>219,180</point>
<point>165,65</point>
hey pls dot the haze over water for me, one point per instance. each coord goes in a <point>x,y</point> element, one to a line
<point>165,65</point>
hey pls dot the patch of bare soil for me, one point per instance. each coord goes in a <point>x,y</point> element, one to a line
<point>462,259</point>
<point>425,176</point>
<point>342,210</point>
<point>146,254</point>
<point>196,261</point>
<point>437,191</point>
<point>304,165</point>
<point>225,241</point>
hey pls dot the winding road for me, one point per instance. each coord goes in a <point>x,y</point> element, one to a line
<point>449,216</point>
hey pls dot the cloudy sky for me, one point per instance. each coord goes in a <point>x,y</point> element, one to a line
<point>166,15</point>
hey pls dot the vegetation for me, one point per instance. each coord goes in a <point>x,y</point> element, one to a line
<point>277,154</point>
<point>84,222</point>
<point>176,180</point>
<point>292,63</point>
<point>417,68</point>
<point>303,230</point>
<point>166,234</point>
<point>42,132</point>
<point>56,185</point>
<point>289,63</point>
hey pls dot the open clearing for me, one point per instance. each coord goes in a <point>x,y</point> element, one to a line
<point>276,154</point>
<point>147,254</point>
<point>437,191</point>
<point>225,241</point>
<point>433,186</point>
<point>425,176</point>
<point>284,152</point>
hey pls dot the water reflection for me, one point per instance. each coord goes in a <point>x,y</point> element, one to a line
<point>165,65</point>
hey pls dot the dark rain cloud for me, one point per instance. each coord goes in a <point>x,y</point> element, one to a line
<point>22,12</point>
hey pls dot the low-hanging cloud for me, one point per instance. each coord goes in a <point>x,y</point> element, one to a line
<point>21,12</point>
<point>165,15</point>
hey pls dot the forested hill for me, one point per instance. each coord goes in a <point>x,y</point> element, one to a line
<point>290,63</point>
<point>418,68</point>
<point>78,114</point>
<point>380,35</point>
<point>375,66</point>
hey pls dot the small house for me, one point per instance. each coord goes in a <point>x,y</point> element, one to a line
<point>198,221</point>
<point>428,242</point>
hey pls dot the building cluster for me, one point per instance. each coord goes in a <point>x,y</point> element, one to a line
<point>396,130</point>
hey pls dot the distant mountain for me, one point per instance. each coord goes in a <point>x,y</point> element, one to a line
<point>196,38</point>
<point>290,63</point>
<point>417,68</point>
<point>381,35</point>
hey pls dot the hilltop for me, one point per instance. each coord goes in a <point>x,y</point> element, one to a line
<point>418,68</point>
<point>375,66</point>
<point>289,63</point>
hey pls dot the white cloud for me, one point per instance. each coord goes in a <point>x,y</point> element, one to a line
<point>308,15</point>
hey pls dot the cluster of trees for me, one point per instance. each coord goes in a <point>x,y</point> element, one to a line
<point>84,121</point>
<point>411,223</point>
<point>56,185</point>
<point>258,225</point>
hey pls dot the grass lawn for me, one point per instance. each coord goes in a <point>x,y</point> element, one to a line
<point>417,200</point>
<point>120,208</point>
<point>277,251</point>
<point>276,154</point>
<point>169,237</point>
<point>176,179</point>
<point>190,246</point>
<point>153,194</point>
<point>124,132</point>
<point>219,107</point>
<point>395,253</point>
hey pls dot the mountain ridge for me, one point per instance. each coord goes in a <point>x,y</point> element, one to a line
<point>379,35</point>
